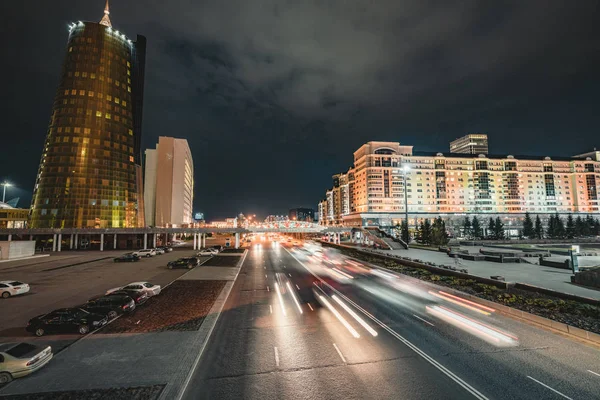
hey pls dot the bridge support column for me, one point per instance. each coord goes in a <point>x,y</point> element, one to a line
<point>102,242</point>
<point>115,241</point>
<point>9,237</point>
<point>145,241</point>
<point>30,237</point>
<point>204,240</point>
<point>195,241</point>
<point>71,242</point>
<point>54,242</point>
<point>237,240</point>
<point>76,240</point>
<point>59,243</point>
<point>154,241</point>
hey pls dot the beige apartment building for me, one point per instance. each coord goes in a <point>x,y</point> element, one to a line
<point>169,183</point>
<point>457,185</point>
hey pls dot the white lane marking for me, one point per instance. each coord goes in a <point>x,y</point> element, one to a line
<point>424,320</point>
<point>280,299</point>
<point>340,353</point>
<point>355,316</point>
<point>265,267</point>
<point>309,306</point>
<point>268,290</point>
<point>290,275</point>
<point>297,287</point>
<point>409,344</point>
<point>592,372</point>
<point>265,275</point>
<point>276,356</point>
<point>548,387</point>
<point>271,309</point>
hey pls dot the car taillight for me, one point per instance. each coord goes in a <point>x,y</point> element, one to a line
<point>31,362</point>
<point>17,287</point>
<point>125,307</point>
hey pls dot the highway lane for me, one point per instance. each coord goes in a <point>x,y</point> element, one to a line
<point>538,365</point>
<point>275,340</point>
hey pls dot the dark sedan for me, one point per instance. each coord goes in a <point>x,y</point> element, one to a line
<point>65,320</point>
<point>139,297</point>
<point>128,257</point>
<point>111,306</point>
<point>167,249</point>
<point>188,263</point>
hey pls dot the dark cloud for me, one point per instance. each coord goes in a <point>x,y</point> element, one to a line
<point>274,96</point>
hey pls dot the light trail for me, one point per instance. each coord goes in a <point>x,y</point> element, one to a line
<point>355,316</point>
<point>280,299</point>
<point>294,297</point>
<point>339,317</point>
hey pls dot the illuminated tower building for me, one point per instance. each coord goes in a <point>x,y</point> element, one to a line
<point>90,173</point>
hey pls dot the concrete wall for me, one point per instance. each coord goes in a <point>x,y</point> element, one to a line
<point>16,249</point>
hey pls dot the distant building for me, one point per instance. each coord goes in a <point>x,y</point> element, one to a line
<point>169,183</point>
<point>276,218</point>
<point>11,217</point>
<point>302,214</point>
<point>473,143</point>
<point>90,173</point>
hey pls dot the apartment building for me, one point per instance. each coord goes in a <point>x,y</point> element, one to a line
<point>473,143</point>
<point>456,185</point>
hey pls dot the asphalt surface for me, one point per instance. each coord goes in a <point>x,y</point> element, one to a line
<point>286,333</point>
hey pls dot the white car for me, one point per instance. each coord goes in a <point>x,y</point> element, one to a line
<point>149,288</point>
<point>145,253</point>
<point>159,251</point>
<point>12,288</point>
<point>207,252</point>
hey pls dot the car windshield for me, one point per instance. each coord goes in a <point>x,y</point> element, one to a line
<point>132,287</point>
<point>21,349</point>
<point>15,283</point>
<point>148,284</point>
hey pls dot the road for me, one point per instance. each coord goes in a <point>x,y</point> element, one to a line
<point>293,327</point>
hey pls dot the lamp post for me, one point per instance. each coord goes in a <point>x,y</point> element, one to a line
<point>5,184</point>
<point>405,170</point>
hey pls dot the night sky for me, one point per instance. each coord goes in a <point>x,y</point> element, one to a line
<point>274,96</point>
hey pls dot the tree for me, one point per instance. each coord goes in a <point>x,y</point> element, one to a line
<point>491,228</point>
<point>467,231</point>
<point>404,232</point>
<point>439,236</point>
<point>588,227</point>
<point>426,234</point>
<point>551,228</point>
<point>476,228</point>
<point>528,230</point>
<point>419,233</point>
<point>560,227</point>
<point>499,233</point>
<point>539,229</point>
<point>570,229</point>
<point>579,226</point>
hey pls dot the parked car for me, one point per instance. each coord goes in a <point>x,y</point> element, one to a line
<point>137,296</point>
<point>217,247</point>
<point>12,288</point>
<point>21,359</point>
<point>127,257</point>
<point>167,249</point>
<point>159,251</point>
<point>188,262</point>
<point>111,306</point>
<point>149,288</point>
<point>65,320</point>
<point>145,253</point>
<point>206,252</point>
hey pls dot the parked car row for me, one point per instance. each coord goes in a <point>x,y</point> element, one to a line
<point>96,312</point>
<point>137,255</point>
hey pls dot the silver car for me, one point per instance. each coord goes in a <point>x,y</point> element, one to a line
<point>20,359</point>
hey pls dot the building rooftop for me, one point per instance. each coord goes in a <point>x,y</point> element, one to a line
<point>495,156</point>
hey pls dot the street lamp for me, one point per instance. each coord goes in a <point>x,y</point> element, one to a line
<point>405,170</point>
<point>5,184</point>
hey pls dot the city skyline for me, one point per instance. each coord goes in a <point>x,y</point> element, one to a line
<point>200,84</point>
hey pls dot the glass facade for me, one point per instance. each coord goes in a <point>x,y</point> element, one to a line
<point>88,174</point>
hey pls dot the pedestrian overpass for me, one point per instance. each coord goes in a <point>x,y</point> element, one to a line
<point>148,237</point>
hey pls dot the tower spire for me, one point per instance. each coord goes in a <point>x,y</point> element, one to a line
<point>105,19</point>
